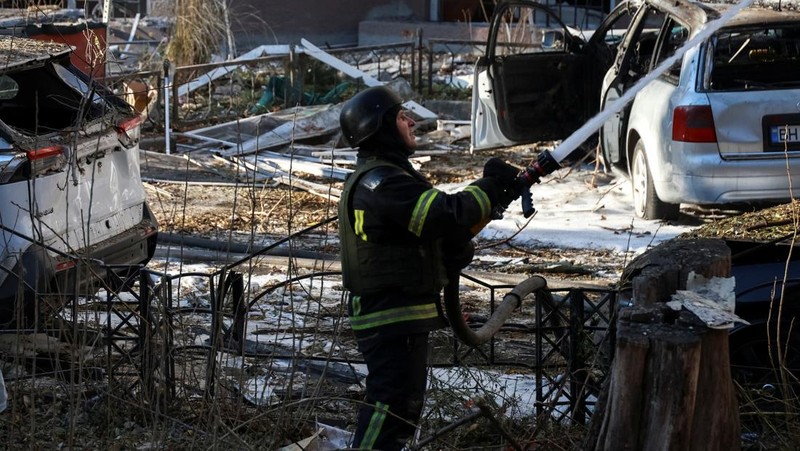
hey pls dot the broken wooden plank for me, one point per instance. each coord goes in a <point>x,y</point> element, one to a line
<point>315,151</point>
<point>338,161</point>
<point>205,139</point>
<point>265,171</point>
<point>181,163</point>
<point>229,134</point>
<point>133,32</point>
<point>320,190</point>
<point>243,174</point>
<point>347,152</point>
<point>314,51</point>
<point>291,164</point>
<point>253,172</point>
<point>335,153</point>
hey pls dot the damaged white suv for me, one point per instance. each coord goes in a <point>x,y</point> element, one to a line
<point>72,203</point>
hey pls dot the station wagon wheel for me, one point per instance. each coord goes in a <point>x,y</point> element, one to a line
<point>646,203</point>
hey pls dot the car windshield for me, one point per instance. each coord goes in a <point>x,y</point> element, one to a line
<point>755,58</point>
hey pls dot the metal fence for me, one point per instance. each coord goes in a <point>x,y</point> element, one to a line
<point>571,338</point>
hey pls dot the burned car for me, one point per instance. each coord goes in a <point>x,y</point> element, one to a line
<point>721,125</point>
<point>72,203</point>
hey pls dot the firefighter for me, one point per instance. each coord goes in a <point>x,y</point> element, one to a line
<point>399,236</point>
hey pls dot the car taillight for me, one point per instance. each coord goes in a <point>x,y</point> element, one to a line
<point>128,131</point>
<point>45,159</point>
<point>65,265</point>
<point>129,124</point>
<point>693,123</point>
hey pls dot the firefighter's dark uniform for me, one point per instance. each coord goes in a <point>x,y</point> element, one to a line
<point>399,238</point>
<point>393,225</point>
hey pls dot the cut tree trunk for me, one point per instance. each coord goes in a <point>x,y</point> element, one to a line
<point>670,386</point>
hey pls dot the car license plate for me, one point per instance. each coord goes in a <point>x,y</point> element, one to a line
<point>784,134</point>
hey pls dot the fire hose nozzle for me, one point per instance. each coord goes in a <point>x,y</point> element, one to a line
<point>545,164</point>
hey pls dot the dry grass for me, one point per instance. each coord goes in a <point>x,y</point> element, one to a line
<point>198,32</point>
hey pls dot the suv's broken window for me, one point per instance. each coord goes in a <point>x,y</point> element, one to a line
<point>760,58</point>
<point>44,102</point>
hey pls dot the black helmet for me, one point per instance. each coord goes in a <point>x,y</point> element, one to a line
<point>361,116</point>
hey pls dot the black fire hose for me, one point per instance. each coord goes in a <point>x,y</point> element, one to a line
<point>510,302</point>
<point>545,164</point>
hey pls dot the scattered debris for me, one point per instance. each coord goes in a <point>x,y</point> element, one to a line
<point>236,63</point>
<point>267,131</point>
<point>314,51</point>
<point>278,90</point>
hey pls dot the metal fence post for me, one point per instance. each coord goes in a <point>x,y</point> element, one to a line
<point>167,106</point>
<point>216,323</point>
<point>295,80</point>
<point>577,363</point>
<point>174,87</point>
<point>430,68</point>
<point>239,311</point>
<point>418,49</point>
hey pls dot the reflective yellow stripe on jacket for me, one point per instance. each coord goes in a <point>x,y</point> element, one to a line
<point>359,225</point>
<point>392,315</point>
<point>482,198</point>
<point>421,211</point>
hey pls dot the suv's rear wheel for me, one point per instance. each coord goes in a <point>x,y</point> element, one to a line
<point>646,203</point>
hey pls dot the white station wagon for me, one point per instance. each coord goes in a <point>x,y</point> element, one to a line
<point>720,126</point>
<point>72,203</point>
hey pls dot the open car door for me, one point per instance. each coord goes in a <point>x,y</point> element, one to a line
<point>540,80</point>
<point>530,84</point>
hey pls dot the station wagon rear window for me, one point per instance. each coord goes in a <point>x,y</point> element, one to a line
<point>754,58</point>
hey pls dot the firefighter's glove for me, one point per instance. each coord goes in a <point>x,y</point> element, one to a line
<point>457,253</point>
<point>506,177</point>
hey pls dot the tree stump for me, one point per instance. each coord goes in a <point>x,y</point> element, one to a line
<point>670,386</point>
